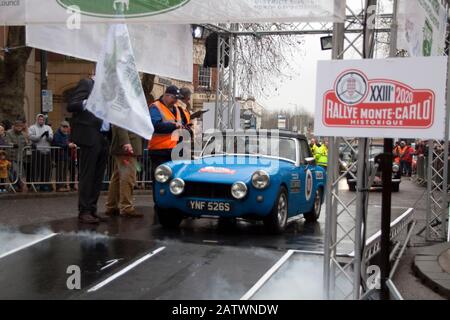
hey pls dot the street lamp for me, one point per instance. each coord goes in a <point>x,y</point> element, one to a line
<point>326,42</point>
<point>197,31</point>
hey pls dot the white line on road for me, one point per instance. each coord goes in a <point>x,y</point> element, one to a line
<point>27,245</point>
<point>378,206</point>
<point>250,293</point>
<point>125,270</point>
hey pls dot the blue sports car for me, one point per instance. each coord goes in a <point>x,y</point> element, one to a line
<point>243,175</point>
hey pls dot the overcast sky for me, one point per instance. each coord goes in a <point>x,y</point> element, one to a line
<point>301,89</point>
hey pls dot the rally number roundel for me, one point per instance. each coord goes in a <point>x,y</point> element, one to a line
<point>352,87</point>
<point>309,185</point>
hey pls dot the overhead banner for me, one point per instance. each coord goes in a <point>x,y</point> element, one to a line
<point>391,98</point>
<point>13,12</point>
<point>422,27</point>
<point>164,50</point>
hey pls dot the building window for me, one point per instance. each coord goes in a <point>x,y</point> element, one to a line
<point>204,77</point>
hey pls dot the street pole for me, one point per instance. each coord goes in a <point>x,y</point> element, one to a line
<point>330,250</point>
<point>386,166</point>
<point>43,77</point>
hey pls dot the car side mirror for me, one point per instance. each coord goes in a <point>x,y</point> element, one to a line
<point>310,161</point>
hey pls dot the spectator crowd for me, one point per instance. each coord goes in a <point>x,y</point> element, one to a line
<point>37,159</point>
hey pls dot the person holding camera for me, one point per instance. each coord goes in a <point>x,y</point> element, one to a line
<point>41,135</point>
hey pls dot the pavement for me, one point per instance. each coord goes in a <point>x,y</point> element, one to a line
<point>201,260</point>
<point>432,265</point>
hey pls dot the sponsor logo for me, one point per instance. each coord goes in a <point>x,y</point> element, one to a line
<point>351,87</point>
<point>127,8</point>
<point>309,185</point>
<point>358,102</point>
<point>319,175</point>
<point>217,170</point>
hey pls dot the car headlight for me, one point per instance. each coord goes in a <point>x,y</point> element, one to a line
<point>163,173</point>
<point>239,190</point>
<point>260,179</point>
<point>177,186</point>
<point>395,168</point>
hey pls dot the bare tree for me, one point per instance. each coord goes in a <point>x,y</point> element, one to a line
<point>263,60</point>
<point>12,75</point>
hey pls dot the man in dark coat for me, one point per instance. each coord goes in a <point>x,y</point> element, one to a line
<point>91,134</point>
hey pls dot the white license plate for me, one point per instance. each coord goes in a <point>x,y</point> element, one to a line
<point>211,206</point>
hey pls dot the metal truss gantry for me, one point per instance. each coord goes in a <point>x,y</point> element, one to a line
<point>344,232</point>
<point>437,224</point>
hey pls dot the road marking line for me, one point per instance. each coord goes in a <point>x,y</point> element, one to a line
<point>378,206</point>
<point>250,293</point>
<point>211,241</point>
<point>125,270</point>
<point>110,263</point>
<point>27,245</point>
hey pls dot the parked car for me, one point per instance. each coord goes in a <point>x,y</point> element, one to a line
<point>272,179</point>
<point>374,150</point>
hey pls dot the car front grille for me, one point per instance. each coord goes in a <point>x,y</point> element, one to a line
<point>207,190</point>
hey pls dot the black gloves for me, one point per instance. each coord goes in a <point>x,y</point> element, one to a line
<point>45,134</point>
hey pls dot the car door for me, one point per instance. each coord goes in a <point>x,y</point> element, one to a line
<point>308,174</point>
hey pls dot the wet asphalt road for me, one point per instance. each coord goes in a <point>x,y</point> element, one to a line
<point>201,260</point>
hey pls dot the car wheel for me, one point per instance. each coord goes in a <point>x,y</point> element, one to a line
<point>352,187</point>
<point>276,221</point>
<point>314,214</point>
<point>395,187</point>
<point>168,218</point>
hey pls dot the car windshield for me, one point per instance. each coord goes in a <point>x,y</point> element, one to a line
<point>252,145</point>
<point>373,152</point>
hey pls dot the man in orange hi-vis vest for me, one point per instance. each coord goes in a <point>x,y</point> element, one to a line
<point>166,119</point>
<point>184,106</point>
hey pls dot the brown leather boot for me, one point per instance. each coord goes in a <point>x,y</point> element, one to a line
<point>131,214</point>
<point>112,212</point>
<point>100,218</point>
<point>87,218</point>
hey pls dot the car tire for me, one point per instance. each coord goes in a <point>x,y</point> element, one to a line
<point>276,221</point>
<point>168,218</point>
<point>352,187</point>
<point>395,187</point>
<point>314,214</point>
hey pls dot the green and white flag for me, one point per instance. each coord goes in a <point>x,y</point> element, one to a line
<point>117,96</point>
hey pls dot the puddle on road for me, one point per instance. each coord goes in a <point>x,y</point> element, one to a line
<point>300,278</point>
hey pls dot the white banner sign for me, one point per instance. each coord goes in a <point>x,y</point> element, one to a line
<point>391,98</point>
<point>14,12</point>
<point>117,96</point>
<point>422,27</point>
<point>164,50</point>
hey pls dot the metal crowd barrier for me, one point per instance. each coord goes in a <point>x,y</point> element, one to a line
<point>421,170</point>
<point>54,168</point>
<point>421,176</point>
